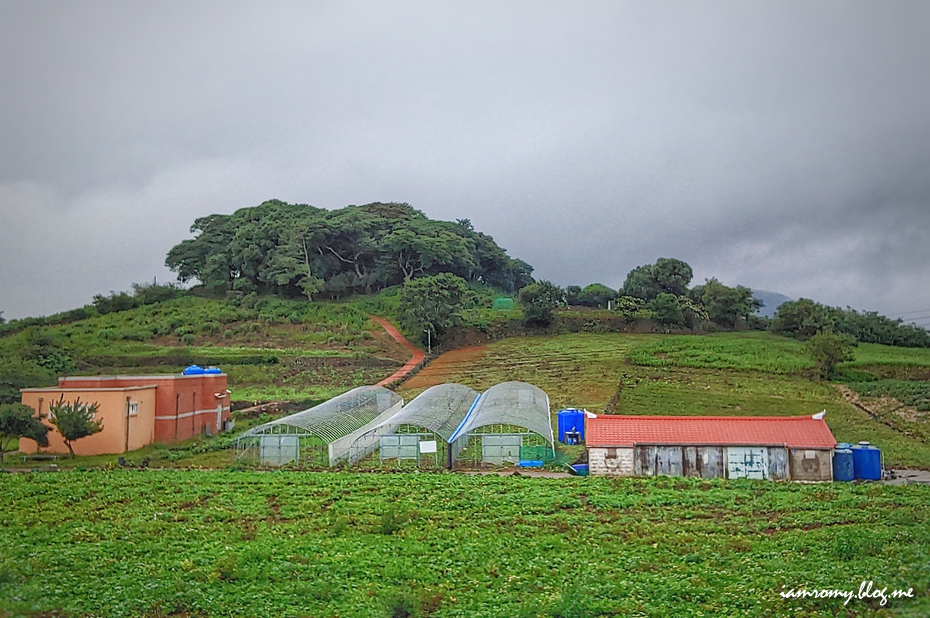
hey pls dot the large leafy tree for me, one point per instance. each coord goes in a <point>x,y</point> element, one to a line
<point>596,295</point>
<point>802,319</point>
<point>433,305</point>
<point>299,250</point>
<point>828,349</point>
<point>667,309</point>
<point>74,420</point>
<point>540,300</point>
<point>725,305</point>
<point>20,421</point>
<point>666,276</point>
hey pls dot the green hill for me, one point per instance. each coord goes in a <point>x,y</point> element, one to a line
<point>272,348</point>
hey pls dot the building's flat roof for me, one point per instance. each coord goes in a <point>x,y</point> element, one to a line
<point>162,376</point>
<point>81,389</point>
<point>789,431</point>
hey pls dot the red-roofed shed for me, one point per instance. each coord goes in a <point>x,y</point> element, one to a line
<point>786,447</point>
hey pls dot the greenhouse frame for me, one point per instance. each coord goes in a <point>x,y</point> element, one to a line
<point>322,434</point>
<point>451,424</point>
<point>509,423</point>
<point>420,431</point>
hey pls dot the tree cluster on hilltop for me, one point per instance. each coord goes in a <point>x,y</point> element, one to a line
<point>300,250</point>
<point>661,291</point>
<point>803,319</point>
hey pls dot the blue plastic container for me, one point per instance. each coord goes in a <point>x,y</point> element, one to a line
<point>580,469</point>
<point>867,462</point>
<point>531,463</point>
<point>843,468</point>
<point>212,370</point>
<point>193,370</point>
<point>571,420</point>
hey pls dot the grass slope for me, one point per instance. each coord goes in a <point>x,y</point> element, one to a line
<point>723,374</point>
<point>271,348</point>
<point>163,543</point>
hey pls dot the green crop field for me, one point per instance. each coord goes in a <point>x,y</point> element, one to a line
<point>723,374</point>
<point>185,543</point>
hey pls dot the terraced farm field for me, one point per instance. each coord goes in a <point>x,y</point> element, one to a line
<point>186,543</point>
<point>726,374</point>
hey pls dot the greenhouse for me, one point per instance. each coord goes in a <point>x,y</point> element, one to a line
<point>509,423</point>
<point>323,434</point>
<point>420,432</point>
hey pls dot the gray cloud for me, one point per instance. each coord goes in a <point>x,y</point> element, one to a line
<point>778,145</point>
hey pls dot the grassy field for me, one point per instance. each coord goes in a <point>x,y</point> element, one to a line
<point>724,374</point>
<point>185,543</point>
<point>271,348</point>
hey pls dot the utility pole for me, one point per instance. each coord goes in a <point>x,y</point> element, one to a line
<point>429,341</point>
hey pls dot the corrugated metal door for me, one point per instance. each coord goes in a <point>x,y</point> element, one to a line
<point>747,462</point>
<point>500,449</point>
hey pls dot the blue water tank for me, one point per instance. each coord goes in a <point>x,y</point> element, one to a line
<point>571,420</point>
<point>212,370</point>
<point>193,370</point>
<point>843,469</point>
<point>867,462</point>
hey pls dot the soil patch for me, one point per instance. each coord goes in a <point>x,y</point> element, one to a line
<point>438,370</point>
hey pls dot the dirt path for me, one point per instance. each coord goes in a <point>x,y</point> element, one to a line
<point>418,355</point>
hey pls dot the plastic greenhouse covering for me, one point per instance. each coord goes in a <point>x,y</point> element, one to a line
<point>336,423</point>
<point>438,410</point>
<point>511,403</point>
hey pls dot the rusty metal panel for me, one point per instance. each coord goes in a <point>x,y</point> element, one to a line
<point>689,461</point>
<point>668,460</point>
<point>710,461</point>
<point>645,461</point>
<point>810,465</point>
<point>778,463</point>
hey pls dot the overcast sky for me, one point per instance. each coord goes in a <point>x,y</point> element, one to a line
<point>783,146</point>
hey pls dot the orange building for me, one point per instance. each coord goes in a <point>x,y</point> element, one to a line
<point>136,410</point>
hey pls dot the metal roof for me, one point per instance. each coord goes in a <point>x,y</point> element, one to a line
<point>790,431</point>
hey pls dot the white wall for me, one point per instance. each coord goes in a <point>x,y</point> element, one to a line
<point>610,461</point>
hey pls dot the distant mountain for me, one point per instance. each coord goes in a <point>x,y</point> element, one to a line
<point>771,302</point>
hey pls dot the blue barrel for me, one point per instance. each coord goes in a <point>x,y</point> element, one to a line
<point>193,370</point>
<point>212,370</point>
<point>843,469</point>
<point>571,420</point>
<point>867,462</point>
